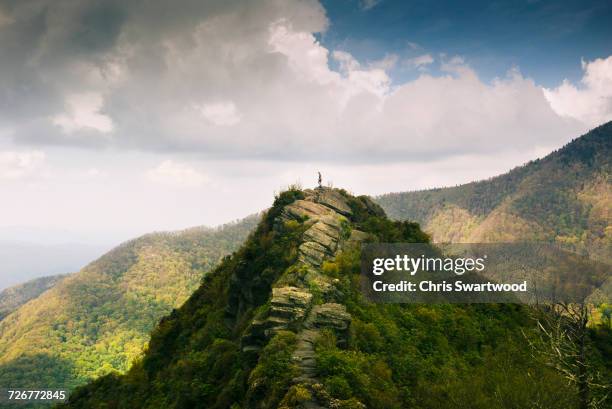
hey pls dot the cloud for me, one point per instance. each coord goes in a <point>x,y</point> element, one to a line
<point>304,56</point>
<point>234,80</point>
<point>421,62</point>
<point>357,80</point>
<point>20,165</point>
<point>94,173</point>
<point>176,174</point>
<point>386,63</point>
<point>4,19</point>
<point>221,113</point>
<point>368,4</point>
<point>591,100</point>
<point>83,112</point>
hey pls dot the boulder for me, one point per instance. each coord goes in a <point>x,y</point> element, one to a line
<point>334,200</point>
<point>331,315</point>
<point>313,253</point>
<point>288,308</point>
<point>302,209</point>
<point>324,233</point>
<point>290,297</point>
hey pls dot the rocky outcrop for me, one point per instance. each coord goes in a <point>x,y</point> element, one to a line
<point>288,308</point>
<point>333,199</point>
<point>323,212</point>
<point>332,316</point>
<point>324,316</point>
<point>290,303</point>
<point>304,299</point>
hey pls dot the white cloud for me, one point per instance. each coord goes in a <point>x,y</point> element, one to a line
<point>95,173</point>
<point>305,55</point>
<point>19,165</point>
<point>263,87</point>
<point>368,4</point>
<point>591,100</point>
<point>248,86</point>
<point>386,63</point>
<point>347,62</point>
<point>457,65</point>
<point>177,174</point>
<point>221,113</point>
<point>83,112</point>
<point>421,62</point>
<point>357,79</point>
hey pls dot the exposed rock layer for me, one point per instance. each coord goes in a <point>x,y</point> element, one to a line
<point>304,299</point>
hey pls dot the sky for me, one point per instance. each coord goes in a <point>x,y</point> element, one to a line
<point>120,118</point>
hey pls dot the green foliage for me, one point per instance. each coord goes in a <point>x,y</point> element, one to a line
<point>297,395</point>
<point>388,231</point>
<point>564,198</point>
<point>184,347</point>
<point>351,373</point>
<point>14,297</point>
<point>439,356</point>
<point>605,312</point>
<point>397,356</point>
<point>270,379</point>
<point>286,197</point>
<point>98,320</point>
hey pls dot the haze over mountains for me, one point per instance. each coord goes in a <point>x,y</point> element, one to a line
<point>58,250</point>
<point>19,263</point>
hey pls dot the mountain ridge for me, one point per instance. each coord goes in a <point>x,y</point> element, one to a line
<point>14,297</point>
<point>98,319</point>
<point>281,323</point>
<point>564,197</point>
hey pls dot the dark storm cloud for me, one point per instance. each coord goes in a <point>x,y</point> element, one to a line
<point>52,49</point>
<point>39,40</point>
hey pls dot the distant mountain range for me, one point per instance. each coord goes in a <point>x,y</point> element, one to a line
<point>21,261</point>
<point>14,297</point>
<point>98,319</point>
<point>565,197</point>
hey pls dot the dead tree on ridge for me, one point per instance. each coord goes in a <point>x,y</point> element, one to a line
<point>564,335</point>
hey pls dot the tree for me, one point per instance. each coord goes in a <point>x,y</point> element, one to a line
<point>564,344</point>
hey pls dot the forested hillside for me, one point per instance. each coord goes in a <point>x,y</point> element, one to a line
<point>282,324</point>
<point>14,297</point>
<point>565,197</point>
<point>98,320</point>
